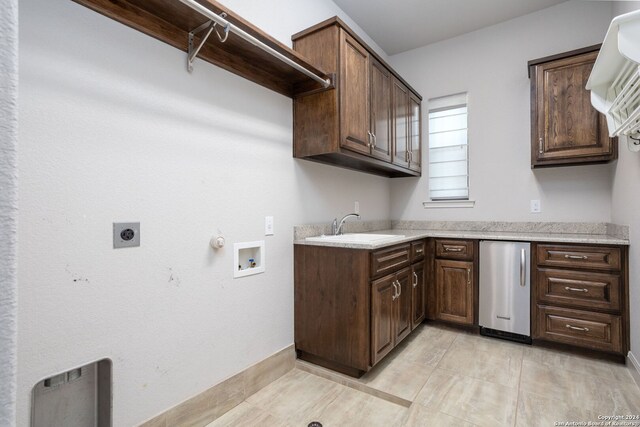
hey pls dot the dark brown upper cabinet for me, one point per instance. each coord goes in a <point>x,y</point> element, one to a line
<point>380,111</point>
<point>370,121</point>
<point>565,128</point>
<point>415,134</point>
<point>407,150</point>
<point>400,124</point>
<point>354,84</point>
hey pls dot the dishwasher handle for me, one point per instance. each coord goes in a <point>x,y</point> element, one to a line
<point>523,267</point>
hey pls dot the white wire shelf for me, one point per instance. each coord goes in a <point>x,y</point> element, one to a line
<point>615,79</point>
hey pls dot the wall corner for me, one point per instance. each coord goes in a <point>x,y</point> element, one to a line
<point>8,209</point>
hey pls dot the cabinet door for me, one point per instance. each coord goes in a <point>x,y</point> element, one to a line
<point>567,127</point>
<point>418,294</point>
<point>415,141</point>
<point>380,111</point>
<point>403,305</point>
<point>383,294</point>
<point>454,284</point>
<point>354,95</point>
<point>400,95</point>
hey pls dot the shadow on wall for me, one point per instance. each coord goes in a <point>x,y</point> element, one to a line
<point>156,84</point>
<point>595,178</point>
<point>411,193</point>
<point>625,180</point>
<point>184,104</point>
<point>327,192</point>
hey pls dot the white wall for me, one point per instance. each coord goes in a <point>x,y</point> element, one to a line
<point>113,128</point>
<point>283,19</point>
<point>621,7</point>
<point>625,209</point>
<point>8,209</point>
<point>491,65</point>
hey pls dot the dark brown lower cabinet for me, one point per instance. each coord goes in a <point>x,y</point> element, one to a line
<point>581,296</point>
<point>332,307</point>
<point>418,290</point>
<point>403,303</point>
<point>452,291</point>
<point>353,306</point>
<point>598,331</point>
<point>455,291</point>
<point>391,304</point>
<point>383,293</point>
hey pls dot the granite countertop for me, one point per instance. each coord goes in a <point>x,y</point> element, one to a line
<point>407,235</point>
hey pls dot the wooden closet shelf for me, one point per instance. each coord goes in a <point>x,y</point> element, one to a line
<point>171,21</point>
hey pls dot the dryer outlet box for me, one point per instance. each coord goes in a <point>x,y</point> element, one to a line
<point>126,234</point>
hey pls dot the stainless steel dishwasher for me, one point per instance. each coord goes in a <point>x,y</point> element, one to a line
<point>505,290</point>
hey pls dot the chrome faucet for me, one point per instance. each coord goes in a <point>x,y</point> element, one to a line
<point>336,228</point>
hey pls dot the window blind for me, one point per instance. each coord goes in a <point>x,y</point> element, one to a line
<point>448,148</point>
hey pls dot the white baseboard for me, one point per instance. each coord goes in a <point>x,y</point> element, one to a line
<point>634,367</point>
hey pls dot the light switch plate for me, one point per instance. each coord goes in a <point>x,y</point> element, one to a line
<point>535,206</point>
<point>356,207</point>
<point>268,226</point>
<point>126,234</point>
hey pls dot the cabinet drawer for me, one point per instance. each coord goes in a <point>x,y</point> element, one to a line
<point>454,249</point>
<point>388,260</point>
<point>417,250</point>
<point>598,258</point>
<point>581,289</point>
<point>581,328</point>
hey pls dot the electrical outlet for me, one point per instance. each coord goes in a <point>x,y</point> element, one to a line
<point>356,207</point>
<point>126,234</point>
<point>268,226</point>
<point>535,206</point>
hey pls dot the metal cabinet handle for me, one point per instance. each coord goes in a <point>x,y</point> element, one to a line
<point>568,288</point>
<point>418,251</point>
<point>395,292</point>
<point>449,249</point>
<point>415,280</point>
<point>523,267</point>
<point>577,328</point>
<point>375,140</point>
<point>468,276</point>
<point>369,144</point>
<point>540,146</point>
<point>576,257</point>
<point>399,288</point>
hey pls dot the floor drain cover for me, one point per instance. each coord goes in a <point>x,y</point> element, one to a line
<point>315,424</point>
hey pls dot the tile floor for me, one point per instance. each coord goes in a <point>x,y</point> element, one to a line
<point>445,377</point>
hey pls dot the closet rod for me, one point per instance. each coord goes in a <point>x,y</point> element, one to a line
<point>249,38</point>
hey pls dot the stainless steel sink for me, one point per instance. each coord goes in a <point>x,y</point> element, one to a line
<point>355,238</point>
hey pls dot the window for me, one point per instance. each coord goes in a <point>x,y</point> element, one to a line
<point>448,148</point>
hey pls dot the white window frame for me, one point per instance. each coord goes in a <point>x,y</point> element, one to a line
<point>438,104</point>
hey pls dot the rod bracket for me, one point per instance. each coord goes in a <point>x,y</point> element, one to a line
<point>193,49</point>
<point>208,26</point>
